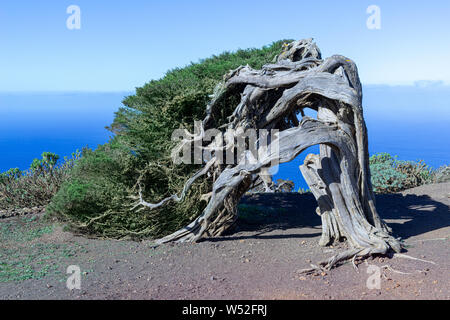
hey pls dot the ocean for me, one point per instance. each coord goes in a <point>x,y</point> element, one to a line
<point>412,122</point>
<point>31,123</point>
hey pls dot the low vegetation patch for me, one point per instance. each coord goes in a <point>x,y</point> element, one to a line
<point>442,174</point>
<point>36,186</point>
<point>24,256</point>
<point>392,175</point>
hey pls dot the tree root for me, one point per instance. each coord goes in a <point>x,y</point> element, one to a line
<point>434,239</point>
<point>404,256</point>
<point>386,266</point>
<point>329,263</point>
<point>351,255</point>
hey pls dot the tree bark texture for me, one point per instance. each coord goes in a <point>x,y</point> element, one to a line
<point>339,177</point>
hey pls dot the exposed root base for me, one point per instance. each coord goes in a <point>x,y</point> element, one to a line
<point>328,264</point>
<point>351,255</point>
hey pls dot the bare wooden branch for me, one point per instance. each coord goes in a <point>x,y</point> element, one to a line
<point>339,176</point>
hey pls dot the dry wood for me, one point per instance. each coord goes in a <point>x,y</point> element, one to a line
<point>339,176</point>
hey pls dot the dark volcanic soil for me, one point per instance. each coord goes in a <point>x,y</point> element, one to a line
<point>276,236</point>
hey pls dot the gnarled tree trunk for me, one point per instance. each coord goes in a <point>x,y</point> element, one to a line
<point>339,177</point>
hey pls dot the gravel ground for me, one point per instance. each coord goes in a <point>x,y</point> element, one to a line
<point>277,235</point>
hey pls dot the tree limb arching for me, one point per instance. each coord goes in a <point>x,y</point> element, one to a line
<point>339,177</point>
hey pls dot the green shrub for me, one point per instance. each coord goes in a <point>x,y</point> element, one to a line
<point>37,185</point>
<point>391,175</point>
<point>442,174</point>
<point>304,191</point>
<point>417,173</point>
<point>282,185</point>
<point>47,163</point>
<point>96,199</point>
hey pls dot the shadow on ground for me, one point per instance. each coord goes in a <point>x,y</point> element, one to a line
<point>411,215</point>
<point>408,215</point>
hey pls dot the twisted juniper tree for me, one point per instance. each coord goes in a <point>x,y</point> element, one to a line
<point>271,99</point>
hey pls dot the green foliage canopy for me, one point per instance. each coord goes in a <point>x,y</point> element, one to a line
<point>96,199</point>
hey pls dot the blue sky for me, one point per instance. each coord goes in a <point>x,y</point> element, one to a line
<point>122,45</point>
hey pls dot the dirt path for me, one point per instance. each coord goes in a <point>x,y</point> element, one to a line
<point>277,235</point>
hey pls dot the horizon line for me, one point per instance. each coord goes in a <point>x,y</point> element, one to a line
<point>422,84</point>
